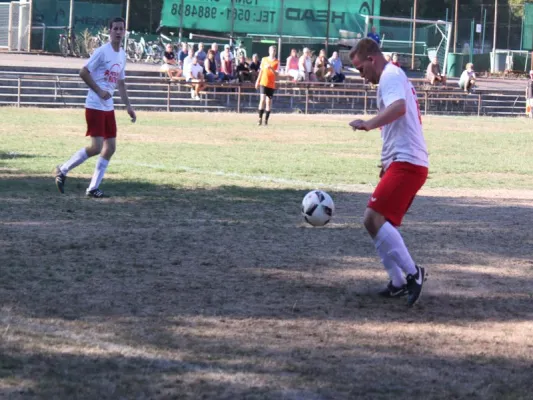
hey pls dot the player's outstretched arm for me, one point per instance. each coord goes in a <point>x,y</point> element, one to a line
<point>126,100</point>
<point>85,75</point>
<point>387,116</point>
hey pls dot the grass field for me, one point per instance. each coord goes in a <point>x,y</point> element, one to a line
<point>198,278</point>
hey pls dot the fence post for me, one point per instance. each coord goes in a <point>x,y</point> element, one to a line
<point>366,101</point>
<point>168,97</point>
<point>19,90</point>
<point>239,100</point>
<point>306,99</point>
<point>479,105</point>
<point>426,102</point>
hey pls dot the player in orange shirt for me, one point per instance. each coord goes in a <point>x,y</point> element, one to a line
<point>266,83</point>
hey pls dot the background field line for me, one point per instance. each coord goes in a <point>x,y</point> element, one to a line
<point>256,178</point>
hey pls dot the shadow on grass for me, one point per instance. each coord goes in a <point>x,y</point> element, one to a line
<point>246,252</point>
<point>154,254</point>
<point>232,369</point>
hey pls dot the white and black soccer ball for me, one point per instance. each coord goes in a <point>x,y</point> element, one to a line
<point>318,208</point>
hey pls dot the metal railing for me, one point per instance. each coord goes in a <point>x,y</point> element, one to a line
<point>20,89</point>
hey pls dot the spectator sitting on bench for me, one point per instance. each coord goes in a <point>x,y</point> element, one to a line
<point>187,61</point>
<point>243,70</point>
<point>433,73</point>
<point>182,54</point>
<point>210,67</point>
<point>323,70</point>
<point>196,77</point>
<point>255,66</point>
<point>291,67</point>
<point>467,81</point>
<point>336,64</point>
<point>305,66</point>
<point>170,65</point>
<point>201,54</point>
<point>226,65</point>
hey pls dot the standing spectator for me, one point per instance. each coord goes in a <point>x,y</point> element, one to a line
<point>395,60</point>
<point>433,73</point>
<point>201,54</point>
<point>170,65</point>
<point>336,64</point>
<point>305,66</point>
<point>226,65</point>
<point>210,67</point>
<point>266,83</point>
<point>292,65</point>
<point>196,77</point>
<point>374,35</point>
<point>468,78</point>
<point>322,70</point>
<point>243,70</point>
<point>184,51</point>
<point>255,66</point>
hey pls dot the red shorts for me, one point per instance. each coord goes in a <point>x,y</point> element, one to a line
<point>101,123</point>
<point>396,190</point>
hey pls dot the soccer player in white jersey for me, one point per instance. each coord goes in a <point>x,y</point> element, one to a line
<point>102,73</point>
<point>404,161</point>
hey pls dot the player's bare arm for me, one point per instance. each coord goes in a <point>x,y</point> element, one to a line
<point>85,74</point>
<point>258,78</point>
<point>390,114</point>
<point>126,100</point>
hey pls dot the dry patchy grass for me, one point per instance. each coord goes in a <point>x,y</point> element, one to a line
<point>211,287</point>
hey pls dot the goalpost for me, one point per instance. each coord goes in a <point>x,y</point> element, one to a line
<point>412,38</point>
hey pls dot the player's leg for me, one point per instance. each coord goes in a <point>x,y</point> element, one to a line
<point>386,208</point>
<point>261,107</point>
<point>95,127</point>
<point>108,149</point>
<point>268,106</point>
<point>373,222</point>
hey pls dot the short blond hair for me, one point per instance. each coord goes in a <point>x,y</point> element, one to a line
<point>364,48</point>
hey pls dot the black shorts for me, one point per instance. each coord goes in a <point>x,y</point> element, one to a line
<point>268,92</point>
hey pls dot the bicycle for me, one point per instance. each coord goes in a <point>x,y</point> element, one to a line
<point>68,44</point>
<point>96,41</point>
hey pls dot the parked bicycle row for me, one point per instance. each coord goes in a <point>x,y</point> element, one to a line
<point>137,47</point>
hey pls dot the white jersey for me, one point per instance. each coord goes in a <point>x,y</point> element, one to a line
<point>106,67</point>
<point>403,139</point>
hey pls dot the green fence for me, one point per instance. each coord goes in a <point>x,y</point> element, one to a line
<point>91,15</point>
<point>308,18</point>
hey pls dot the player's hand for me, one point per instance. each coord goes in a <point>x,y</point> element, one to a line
<point>359,125</point>
<point>104,95</point>
<point>131,113</point>
<point>257,86</point>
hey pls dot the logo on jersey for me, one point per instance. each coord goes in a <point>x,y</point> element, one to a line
<point>112,74</point>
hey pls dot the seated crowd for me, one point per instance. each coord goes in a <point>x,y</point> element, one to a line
<point>213,66</point>
<point>201,67</point>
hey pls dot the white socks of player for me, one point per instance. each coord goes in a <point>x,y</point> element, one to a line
<point>394,254</point>
<point>77,159</point>
<point>99,171</point>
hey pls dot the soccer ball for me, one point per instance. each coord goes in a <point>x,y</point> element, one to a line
<point>317,208</point>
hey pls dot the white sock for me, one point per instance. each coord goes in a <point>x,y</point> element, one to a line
<point>99,171</point>
<point>77,159</point>
<point>392,249</point>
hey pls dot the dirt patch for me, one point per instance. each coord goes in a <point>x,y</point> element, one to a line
<point>225,293</point>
